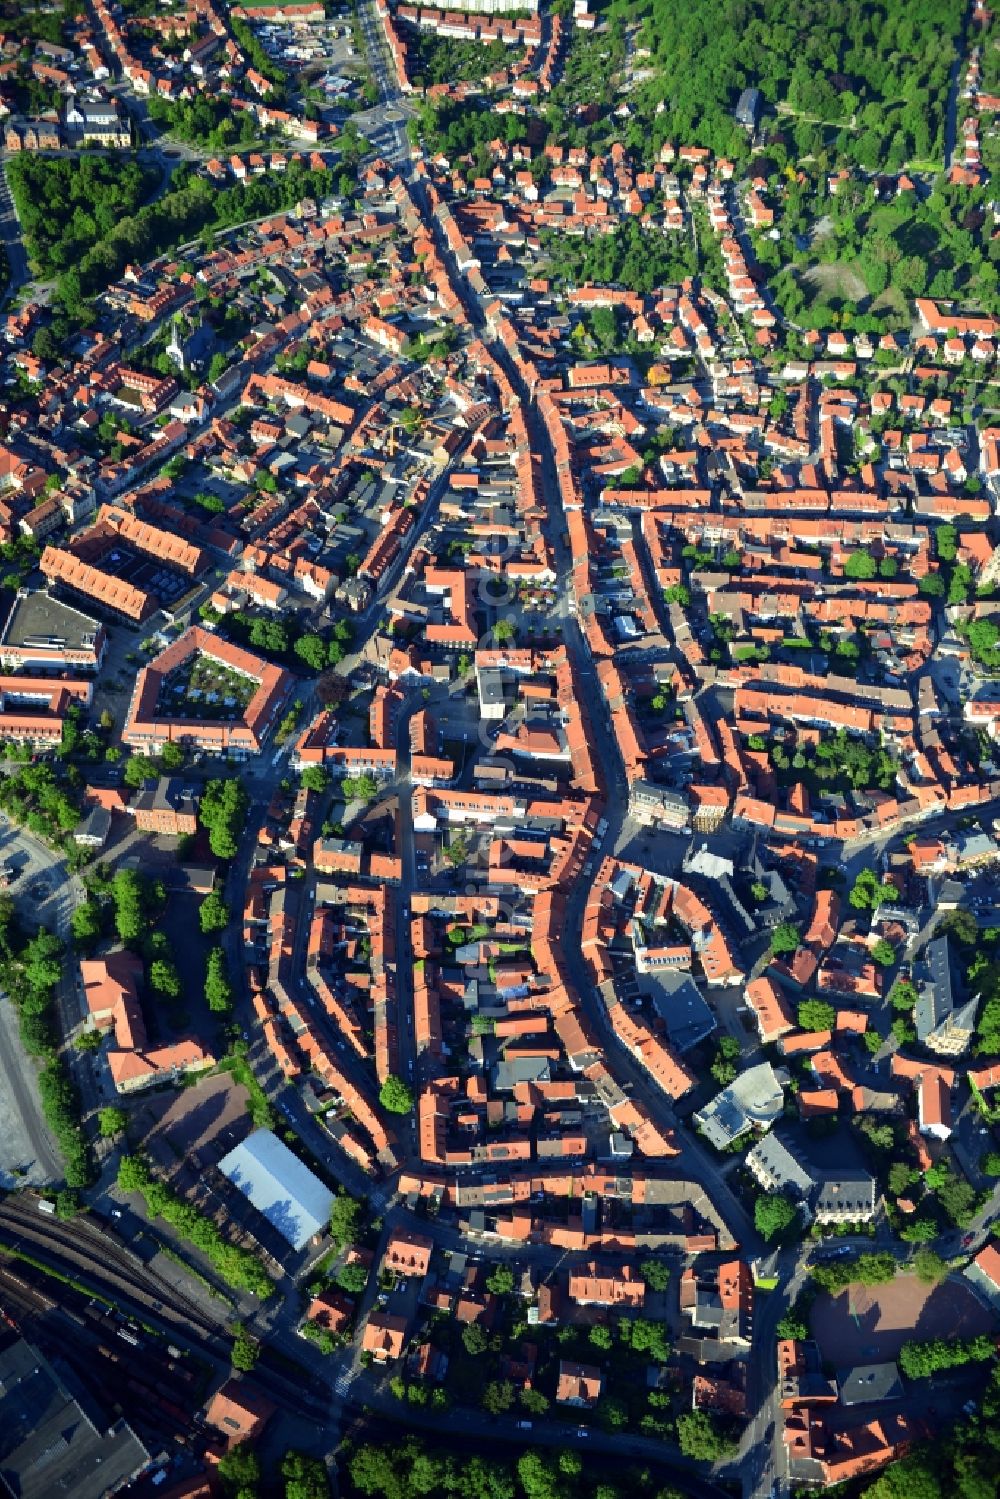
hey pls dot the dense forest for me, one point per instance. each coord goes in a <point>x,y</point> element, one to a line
<point>65,206</point>
<point>409,1468</point>
<point>83,223</point>
<point>877,74</point>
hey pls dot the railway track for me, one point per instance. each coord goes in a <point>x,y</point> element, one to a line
<point>111,1265</point>
<point>15,1291</point>
<point>75,1248</point>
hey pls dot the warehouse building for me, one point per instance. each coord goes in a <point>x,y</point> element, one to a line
<point>280,1187</point>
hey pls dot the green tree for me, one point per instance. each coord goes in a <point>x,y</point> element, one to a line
<point>474,1340</point>
<point>774,1215</point>
<point>218,990</point>
<point>395,1096</point>
<point>223,810</point>
<point>111,1122</point>
<point>928,1266</point>
<point>359,788</point>
<point>960,586</point>
<point>794,1324</point>
<point>41,962</point>
<point>345,1219</point>
<point>816,1015</point>
<point>352,1279</point>
<point>912,1478</point>
<point>702,1438</point>
<point>171,756</point>
<point>239,1469</point>
<point>500,1280</point>
<point>883,953</point>
<point>655,1273</point>
<point>315,778</point>
<point>246,1351</point>
<point>612,1413</point>
<point>133,1173</point>
<point>164,978</point>
<point>784,938</point>
<point>860,565</point>
<point>86,922</point>
<point>139,769</point>
<point>918,1359</point>
<point>540,1476</point>
<point>646,1337</point>
<point>127,894</point>
<point>498,1397</point>
<point>902,1177</point>
<point>955,1196</point>
<point>946,543</point>
<point>312,650</point>
<point>305,1477</point>
<point>213,913</point>
<point>868,892</point>
<point>918,1231</point>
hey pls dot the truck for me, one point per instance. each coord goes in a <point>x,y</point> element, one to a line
<point>45,1206</point>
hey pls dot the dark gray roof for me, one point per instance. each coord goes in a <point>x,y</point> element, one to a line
<point>167,794</point>
<point>520,1070</point>
<point>935,1000</point>
<point>748,106</point>
<point>96,824</point>
<point>846,1192</point>
<point>866,1383</point>
<point>39,619</point>
<point>680,1005</point>
<point>780,1164</point>
<point>49,1445</point>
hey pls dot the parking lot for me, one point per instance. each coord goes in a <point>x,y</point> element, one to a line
<point>32,881</point>
<point>42,896</point>
<point>28,1154</point>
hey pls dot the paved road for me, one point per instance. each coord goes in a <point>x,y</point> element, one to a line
<point>45,894</point>
<point>21,1116</point>
<point>10,237</point>
<point>954,85</point>
<point>361,1391</point>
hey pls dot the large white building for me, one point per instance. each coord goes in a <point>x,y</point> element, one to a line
<point>280,1187</point>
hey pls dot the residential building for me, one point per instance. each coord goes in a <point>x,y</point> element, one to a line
<point>578,1384</point>
<point>943,1025</point>
<point>166,807</point>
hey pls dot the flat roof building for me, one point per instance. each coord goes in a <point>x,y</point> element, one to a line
<point>44,634</point>
<point>53,1441</point>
